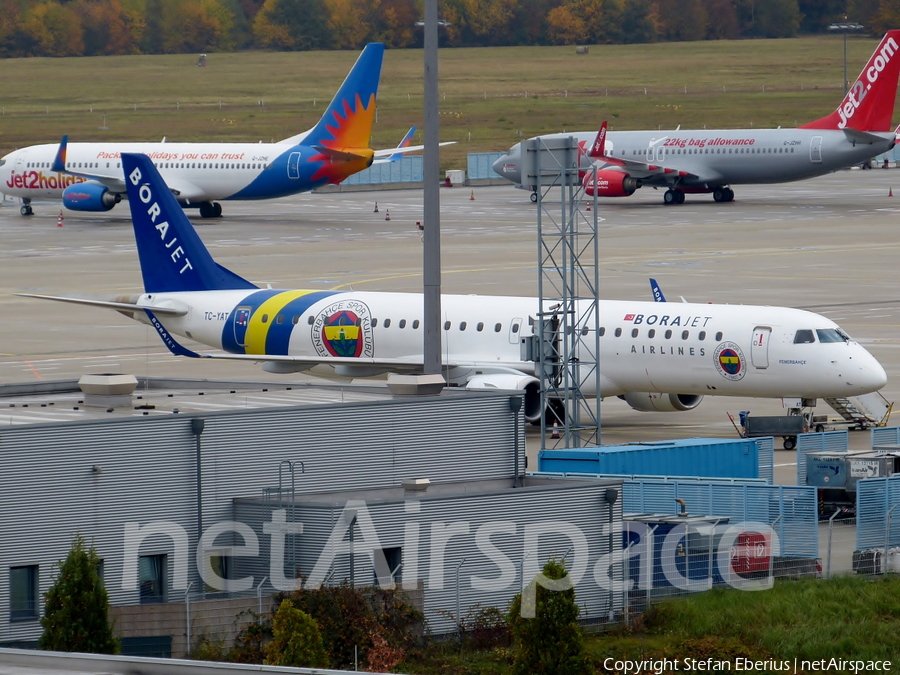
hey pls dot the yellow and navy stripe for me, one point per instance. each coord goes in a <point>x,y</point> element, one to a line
<point>264,333</point>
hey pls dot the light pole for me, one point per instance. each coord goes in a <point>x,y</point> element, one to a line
<point>845,28</point>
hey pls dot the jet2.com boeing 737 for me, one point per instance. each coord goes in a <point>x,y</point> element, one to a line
<point>88,176</point>
<point>711,161</point>
<point>655,356</point>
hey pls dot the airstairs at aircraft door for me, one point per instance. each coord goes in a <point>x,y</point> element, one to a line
<point>868,410</point>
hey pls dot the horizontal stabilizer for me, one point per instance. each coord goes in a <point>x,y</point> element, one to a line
<point>120,306</point>
<point>865,137</point>
<point>347,154</point>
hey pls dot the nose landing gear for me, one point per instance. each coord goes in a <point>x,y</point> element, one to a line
<point>26,209</point>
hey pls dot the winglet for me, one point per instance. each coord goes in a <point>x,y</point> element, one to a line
<point>598,149</point>
<point>403,144</point>
<point>59,162</point>
<point>172,256</point>
<point>657,291</point>
<point>168,340</point>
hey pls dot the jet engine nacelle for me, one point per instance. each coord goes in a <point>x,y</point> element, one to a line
<point>527,384</point>
<point>610,184</point>
<point>89,197</point>
<point>652,402</point>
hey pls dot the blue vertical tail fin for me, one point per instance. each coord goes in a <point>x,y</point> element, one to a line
<point>347,123</point>
<point>172,256</point>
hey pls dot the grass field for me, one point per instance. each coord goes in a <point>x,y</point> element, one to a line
<point>490,98</point>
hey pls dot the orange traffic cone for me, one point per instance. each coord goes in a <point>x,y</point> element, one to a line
<point>376,207</point>
<point>472,196</point>
<point>59,221</point>
<point>891,191</point>
<point>555,433</point>
<point>588,207</point>
<point>387,215</point>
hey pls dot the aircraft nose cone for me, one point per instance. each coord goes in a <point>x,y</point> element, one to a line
<point>497,166</point>
<point>870,375</point>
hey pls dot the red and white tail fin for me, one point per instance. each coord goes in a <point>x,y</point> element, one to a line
<point>869,105</point>
<point>598,149</point>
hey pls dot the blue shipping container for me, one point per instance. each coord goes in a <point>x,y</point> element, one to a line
<point>706,457</point>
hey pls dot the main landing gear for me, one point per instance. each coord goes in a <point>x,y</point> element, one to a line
<point>210,210</point>
<point>673,196</point>
<point>723,194</point>
<point>26,209</point>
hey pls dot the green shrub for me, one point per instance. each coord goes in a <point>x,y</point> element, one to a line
<point>551,643</point>
<point>77,605</point>
<point>296,640</point>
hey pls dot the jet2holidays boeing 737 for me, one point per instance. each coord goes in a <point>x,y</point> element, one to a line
<point>88,176</point>
<point>710,161</point>
<point>655,356</point>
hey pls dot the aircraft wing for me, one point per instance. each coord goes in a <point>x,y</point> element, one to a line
<point>120,306</point>
<point>182,190</point>
<point>395,154</point>
<point>649,172</point>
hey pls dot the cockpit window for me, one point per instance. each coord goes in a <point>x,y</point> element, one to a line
<point>832,335</point>
<point>2,162</point>
<point>803,336</point>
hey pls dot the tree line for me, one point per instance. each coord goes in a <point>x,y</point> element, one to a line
<point>107,27</point>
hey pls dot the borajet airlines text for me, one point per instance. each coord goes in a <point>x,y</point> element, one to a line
<point>741,664</point>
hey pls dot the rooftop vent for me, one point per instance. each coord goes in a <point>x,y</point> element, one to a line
<point>108,390</point>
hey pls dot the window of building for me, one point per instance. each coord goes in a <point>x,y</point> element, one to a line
<point>393,556</point>
<point>23,593</point>
<point>152,578</point>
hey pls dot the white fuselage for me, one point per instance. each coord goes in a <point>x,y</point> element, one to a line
<point>675,348</point>
<point>196,171</point>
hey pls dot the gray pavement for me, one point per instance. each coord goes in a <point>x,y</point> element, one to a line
<point>828,244</point>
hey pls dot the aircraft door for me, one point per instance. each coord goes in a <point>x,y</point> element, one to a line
<point>815,150</point>
<point>241,319</point>
<point>515,329</point>
<point>661,154</point>
<point>293,167</point>
<point>759,348</point>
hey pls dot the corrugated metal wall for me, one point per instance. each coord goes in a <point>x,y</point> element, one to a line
<point>828,441</point>
<point>404,170</point>
<point>766,449</point>
<point>479,165</point>
<point>582,506</point>
<point>794,508</point>
<point>885,436</point>
<point>875,497</point>
<point>145,472</point>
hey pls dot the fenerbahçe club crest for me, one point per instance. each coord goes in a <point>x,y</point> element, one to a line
<point>729,360</point>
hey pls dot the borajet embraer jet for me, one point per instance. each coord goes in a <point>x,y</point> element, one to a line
<point>704,161</point>
<point>657,356</point>
<point>88,176</point>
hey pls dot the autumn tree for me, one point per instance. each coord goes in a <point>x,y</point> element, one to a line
<point>76,606</point>
<point>292,25</point>
<point>296,639</point>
